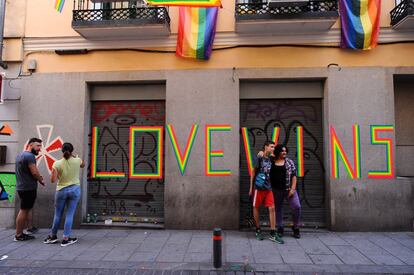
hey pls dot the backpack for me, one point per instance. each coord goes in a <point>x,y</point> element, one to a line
<point>260,178</point>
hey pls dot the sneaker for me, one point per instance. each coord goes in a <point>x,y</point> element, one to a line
<point>50,239</point>
<point>32,230</point>
<point>280,231</point>
<point>69,241</point>
<point>275,238</point>
<point>259,235</point>
<point>23,237</point>
<point>296,233</point>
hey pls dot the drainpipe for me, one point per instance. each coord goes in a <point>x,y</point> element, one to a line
<point>2,16</point>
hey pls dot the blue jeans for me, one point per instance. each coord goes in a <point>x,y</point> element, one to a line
<point>70,197</point>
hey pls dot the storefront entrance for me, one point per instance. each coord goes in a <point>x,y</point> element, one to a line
<point>260,116</point>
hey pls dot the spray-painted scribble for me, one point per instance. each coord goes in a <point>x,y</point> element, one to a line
<point>280,110</point>
<point>126,113</point>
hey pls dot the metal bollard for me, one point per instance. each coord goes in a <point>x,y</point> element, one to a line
<point>217,247</point>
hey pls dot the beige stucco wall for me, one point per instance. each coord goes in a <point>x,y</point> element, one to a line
<point>15,18</point>
<point>44,21</point>
<point>398,55</point>
<point>13,49</point>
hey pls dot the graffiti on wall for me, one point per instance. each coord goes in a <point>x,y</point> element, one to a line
<point>296,124</point>
<point>49,146</point>
<point>7,186</point>
<point>112,189</point>
<point>124,112</point>
<point>6,130</point>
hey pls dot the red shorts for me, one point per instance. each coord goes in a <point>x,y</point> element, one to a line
<point>263,197</point>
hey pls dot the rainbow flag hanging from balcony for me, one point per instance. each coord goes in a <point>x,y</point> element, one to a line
<point>360,23</point>
<point>186,3</point>
<point>59,5</point>
<point>196,31</point>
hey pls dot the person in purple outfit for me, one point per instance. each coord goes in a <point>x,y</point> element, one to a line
<point>284,183</point>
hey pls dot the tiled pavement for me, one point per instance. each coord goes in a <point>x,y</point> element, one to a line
<point>136,251</point>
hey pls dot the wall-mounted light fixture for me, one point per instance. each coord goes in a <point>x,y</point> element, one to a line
<point>69,52</point>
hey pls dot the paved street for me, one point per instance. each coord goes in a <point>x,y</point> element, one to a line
<point>136,251</point>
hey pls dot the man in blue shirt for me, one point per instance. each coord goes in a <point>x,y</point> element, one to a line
<point>27,176</point>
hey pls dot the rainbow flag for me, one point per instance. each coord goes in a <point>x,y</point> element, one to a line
<point>186,3</point>
<point>196,31</point>
<point>360,23</point>
<point>59,5</point>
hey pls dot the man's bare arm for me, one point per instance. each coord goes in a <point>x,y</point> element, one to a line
<point>36,174</point>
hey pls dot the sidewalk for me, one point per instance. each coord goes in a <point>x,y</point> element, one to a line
<point>136,251</point>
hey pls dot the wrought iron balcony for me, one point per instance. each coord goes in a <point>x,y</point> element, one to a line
<point>97,19</point>
<point>286,15</point>
<point>402,16</point>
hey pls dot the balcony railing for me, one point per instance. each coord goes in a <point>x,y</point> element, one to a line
<point>116,12</point>
<point>99,18</point>
<point>309,9</point>
<point>401,11</point>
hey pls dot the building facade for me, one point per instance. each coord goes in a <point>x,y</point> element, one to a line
<point>101,71</point>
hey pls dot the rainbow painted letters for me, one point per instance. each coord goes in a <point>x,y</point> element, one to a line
<point>182,158</point>
<point>338,155</point>
<point>375,140</point>
<point>216,153</point>
<point>338,151</point>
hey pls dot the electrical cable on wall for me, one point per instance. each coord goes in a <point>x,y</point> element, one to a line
<point>85,51</point>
